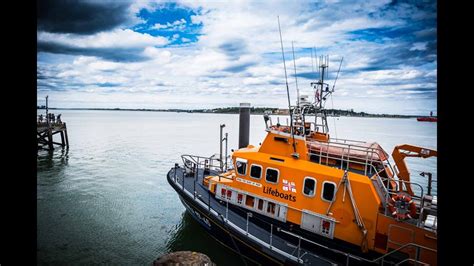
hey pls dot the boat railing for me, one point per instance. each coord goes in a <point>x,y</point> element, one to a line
<point>193,162</point>
<point>387,192</point>
<point>380,183</point>
<point>421,198</point>
<point>347,141</point>
<point>430,180</point>
<point>366,154</point>
<point>350,256</point>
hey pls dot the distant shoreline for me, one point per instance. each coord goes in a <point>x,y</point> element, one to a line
<point>235,110</point>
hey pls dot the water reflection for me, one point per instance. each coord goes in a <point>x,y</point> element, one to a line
<point>189,235</point>
<point>52,166</point>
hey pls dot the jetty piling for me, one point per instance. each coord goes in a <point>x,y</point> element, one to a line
<point>47,127</point>
<point>244,124</point>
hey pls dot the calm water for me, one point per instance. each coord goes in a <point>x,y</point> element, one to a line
<point>106,200</point>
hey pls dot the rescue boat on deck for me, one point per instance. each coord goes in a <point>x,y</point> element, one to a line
<point>303,197</point>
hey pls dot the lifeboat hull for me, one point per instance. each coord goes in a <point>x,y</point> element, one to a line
<point>231,238</point>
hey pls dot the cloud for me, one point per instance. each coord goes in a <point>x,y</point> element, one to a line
<point>239,67</point>
<point>209,54</point>
<point>81,17</point>
<point>234,48</point>
<point>116,45</point>
<point>176,25</point>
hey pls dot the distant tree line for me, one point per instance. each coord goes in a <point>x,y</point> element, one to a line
<point>253,110</point>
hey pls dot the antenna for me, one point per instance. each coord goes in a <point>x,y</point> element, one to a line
<point>337,75</point>
<point>296,79</point>
<point>320,62</point>
<point>287,89</point>
<point>316,59</point>
<point>327,65</point>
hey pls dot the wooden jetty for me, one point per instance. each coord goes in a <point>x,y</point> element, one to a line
<point>47,127</point>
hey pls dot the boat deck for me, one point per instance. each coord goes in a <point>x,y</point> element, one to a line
<point>273,244</point>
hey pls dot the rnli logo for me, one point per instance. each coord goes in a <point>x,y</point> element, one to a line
<point>289,186</point>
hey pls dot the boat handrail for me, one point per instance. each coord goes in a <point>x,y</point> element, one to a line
<point>352,256</point>
<point>368,164</point>
<point>346,142</point>
<point>205,162</point>
<point>397,190</point>
<point>338,140</point>
<point>345,156</point>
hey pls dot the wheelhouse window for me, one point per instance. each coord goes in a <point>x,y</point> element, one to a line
<point>255,171</point>
<point>241,166</point>
<point>272,175</point>
<point>309,186</point>
<point>329,189</point>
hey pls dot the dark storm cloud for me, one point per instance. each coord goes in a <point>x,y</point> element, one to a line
<point>112,54</point>
<point>306,75</point>
<point>402,55</point>
<point>80,17</point>
<point>234,48</point>
<point>422,90</point>
<point>108,84</point>
<point>239,67</point>
<point>276,82</point>
<point>217,75</point>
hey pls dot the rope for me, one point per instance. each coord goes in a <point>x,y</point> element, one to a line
<point>360,222</point>
<point>358,217</point>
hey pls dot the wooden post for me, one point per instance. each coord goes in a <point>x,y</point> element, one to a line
<point>62,139</point>
<point>50,139</point>
<point>65,134</point>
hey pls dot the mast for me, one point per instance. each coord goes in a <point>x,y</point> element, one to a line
<point>295,154</point>
<point>296,79</point>
<point>321,92</point>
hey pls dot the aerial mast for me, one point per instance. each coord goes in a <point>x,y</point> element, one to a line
<point>295,154</point>
<point>296,79</point>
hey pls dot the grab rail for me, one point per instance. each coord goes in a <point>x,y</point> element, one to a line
<point>351,256</point>
<point>205,162</point>
<point>346,155</point>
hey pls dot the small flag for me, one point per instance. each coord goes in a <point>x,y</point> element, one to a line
<point>289,186</point>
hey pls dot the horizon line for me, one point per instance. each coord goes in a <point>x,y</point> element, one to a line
<point>180,109</point>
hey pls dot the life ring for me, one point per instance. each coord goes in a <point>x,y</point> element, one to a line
<point>402,206</point>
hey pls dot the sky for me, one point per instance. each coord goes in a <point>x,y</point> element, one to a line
<point>211,54</point>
